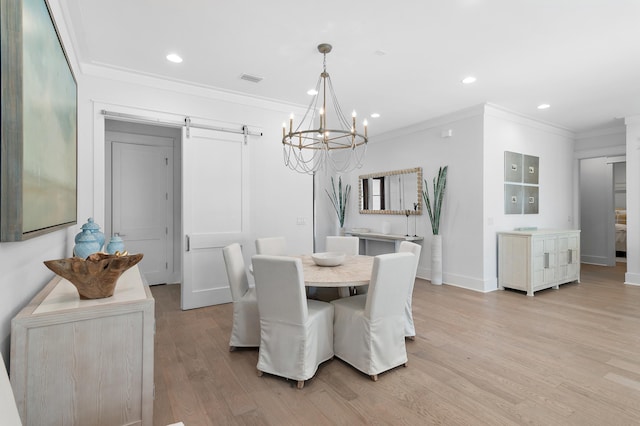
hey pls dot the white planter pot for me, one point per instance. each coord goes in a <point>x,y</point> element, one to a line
<point>436,260</point>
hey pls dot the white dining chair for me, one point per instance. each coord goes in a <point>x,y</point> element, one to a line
<point>347,245</point>
<point>368,329</point>
<point>409,327</point>
<point>275,246</point>
<point>296,334</point>
<point>245,331</point>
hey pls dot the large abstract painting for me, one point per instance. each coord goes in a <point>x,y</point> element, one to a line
<point>39,124</point>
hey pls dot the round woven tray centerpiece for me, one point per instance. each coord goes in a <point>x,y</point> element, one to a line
<point>96,276</point>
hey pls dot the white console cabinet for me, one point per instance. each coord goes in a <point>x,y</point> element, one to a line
<point>536,260</point>
<point>85,362</point>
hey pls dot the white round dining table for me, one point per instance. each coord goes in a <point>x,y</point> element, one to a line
<point>354,271</point>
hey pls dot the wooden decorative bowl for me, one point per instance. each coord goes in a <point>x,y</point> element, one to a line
<point>95,277</point>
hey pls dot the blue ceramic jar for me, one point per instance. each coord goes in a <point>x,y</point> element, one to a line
<point>116,244</point>
<point>94,228</point>
<point>86,244</point>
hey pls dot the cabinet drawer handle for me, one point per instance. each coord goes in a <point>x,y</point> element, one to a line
<point>546,261</point>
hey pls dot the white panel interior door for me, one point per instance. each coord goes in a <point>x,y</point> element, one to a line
<point>142,205</point>
<point>215,211</point>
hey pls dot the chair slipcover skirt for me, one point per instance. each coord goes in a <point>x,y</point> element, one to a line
<point>370,346</point>
<point>369,328</point>
<point>294,351</point>
<point>296,334</point>
<point>409,327</point>
<point>246,320</point>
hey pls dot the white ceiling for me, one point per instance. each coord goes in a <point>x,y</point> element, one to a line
<point>580,56</point>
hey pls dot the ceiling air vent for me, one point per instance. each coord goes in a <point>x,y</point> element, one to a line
<point>251,78</point>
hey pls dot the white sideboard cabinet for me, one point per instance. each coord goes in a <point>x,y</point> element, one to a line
<point>539,259</point>
<point>85,362</point>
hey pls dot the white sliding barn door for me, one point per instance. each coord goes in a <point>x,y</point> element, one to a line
<point>214,211</point>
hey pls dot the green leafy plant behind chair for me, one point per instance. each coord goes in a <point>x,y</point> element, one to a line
<point>439,186</point>
<point>339,199</point>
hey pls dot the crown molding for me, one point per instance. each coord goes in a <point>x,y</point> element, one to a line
<point>608,151</point>
<point>486,109</point>
<point>497,111</point>
<point>603,131</point>
<point>154,81</point>
<point>432,123</point>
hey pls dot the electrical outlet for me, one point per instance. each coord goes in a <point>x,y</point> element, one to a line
<point>301,220</point>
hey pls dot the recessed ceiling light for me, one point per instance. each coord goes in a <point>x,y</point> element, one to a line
<point>375,115</point>
<point>543,106</point>
<point>469,80</point>
<point>312,92</point>
<point>174,58</point>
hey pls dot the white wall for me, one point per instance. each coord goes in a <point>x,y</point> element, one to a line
<point>606,142</point>
<point>422,146</point>
<point>473,209</point>
<point>473,206</point>
<point>507,131</point>
<point>633,200</point>
<point>278,196</point>
<point>22,273</point>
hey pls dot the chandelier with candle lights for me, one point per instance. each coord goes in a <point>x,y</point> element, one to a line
<point>324,138</point>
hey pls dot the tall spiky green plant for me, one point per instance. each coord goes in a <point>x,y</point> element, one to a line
<point>434,210</point>
<point>339,199</point>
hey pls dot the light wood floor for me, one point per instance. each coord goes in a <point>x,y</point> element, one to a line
<point>564,357</point>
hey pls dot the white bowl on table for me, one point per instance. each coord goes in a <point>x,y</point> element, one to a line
<point>329,258</point>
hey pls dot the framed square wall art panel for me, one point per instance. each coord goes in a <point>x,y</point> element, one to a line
<point>38,167</point>
<point>530,199</point>
<point>512,167</point>
<point>530,169</point>
<point>513,199</point>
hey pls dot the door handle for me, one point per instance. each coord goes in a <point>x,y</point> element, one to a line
<point>546,261</point>
<point>570,256</point>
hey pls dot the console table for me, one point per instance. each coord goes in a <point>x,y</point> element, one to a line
<point>85,362</point>
<point>387,238</point>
